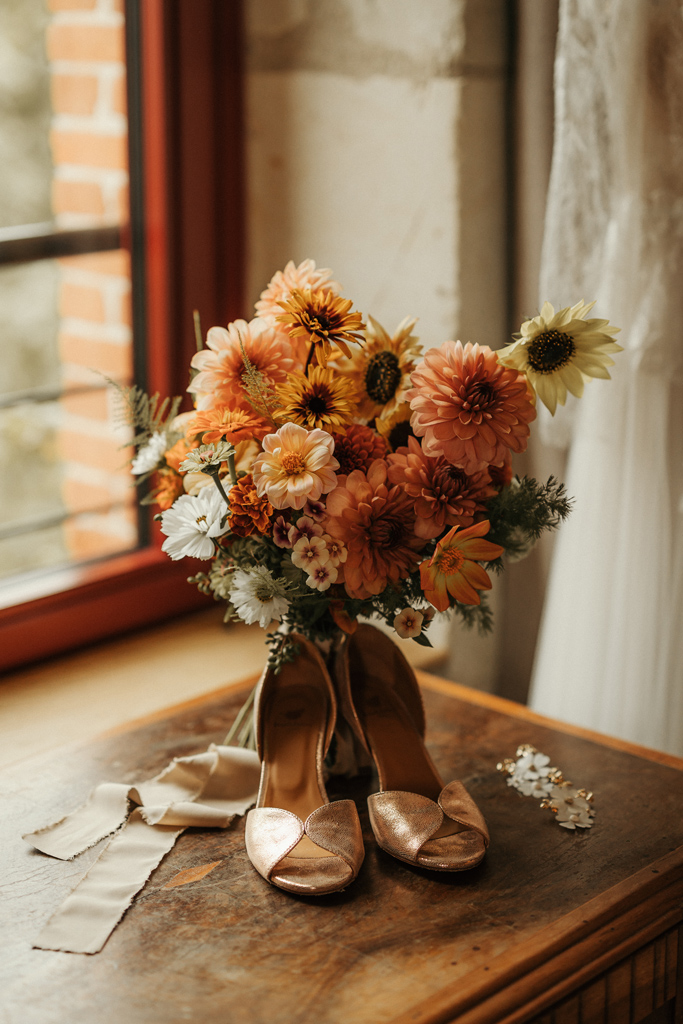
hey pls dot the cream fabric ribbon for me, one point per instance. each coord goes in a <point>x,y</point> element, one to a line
<point>205,790</point>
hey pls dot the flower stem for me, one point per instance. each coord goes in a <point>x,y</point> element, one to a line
<point>219,485</point>
<point>197,330</point>
<point>239,721</point>
<point>310,356</point>
<point>231,469</point>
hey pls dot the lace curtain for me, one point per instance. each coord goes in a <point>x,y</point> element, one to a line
<point>610,654</point>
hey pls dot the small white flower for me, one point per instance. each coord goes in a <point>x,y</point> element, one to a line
<point>191,523</point>
<point>257,596</point>
<point>310,552</point>
<point>322,576</point>
<point>150,455</point>
<point>305,527</point>
<point>336,550</point>
<point>205,456</point>
<point>571,810</point>
<point>408,623</point>
<point>532,775</point>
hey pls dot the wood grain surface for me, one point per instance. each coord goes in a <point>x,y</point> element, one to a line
<point>208,940</point>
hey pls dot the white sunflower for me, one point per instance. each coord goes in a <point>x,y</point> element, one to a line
<point>560,351</point>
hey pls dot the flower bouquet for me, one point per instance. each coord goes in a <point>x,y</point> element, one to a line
<point>330,471</point>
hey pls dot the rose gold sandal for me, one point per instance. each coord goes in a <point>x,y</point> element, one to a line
<point>296,839</point>
<point>414,816</point>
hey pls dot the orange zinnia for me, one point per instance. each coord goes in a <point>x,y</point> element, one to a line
<point>233,425</point>
<point>453,568</point>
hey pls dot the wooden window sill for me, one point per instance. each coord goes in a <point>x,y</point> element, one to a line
<point>74,697</point>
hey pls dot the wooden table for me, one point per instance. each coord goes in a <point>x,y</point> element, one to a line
<point>554,926</point>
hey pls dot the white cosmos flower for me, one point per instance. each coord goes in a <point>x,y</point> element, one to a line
<point>150,455</point>
<point>192,522</point>
<point>257,597</point>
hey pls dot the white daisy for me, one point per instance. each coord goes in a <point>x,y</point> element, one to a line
<point>191,524</point>
<point>257,596</point>
<point>150,455</point>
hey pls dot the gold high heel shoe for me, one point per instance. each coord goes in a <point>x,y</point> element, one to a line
<point>295,838</point>
<point>414,816</point>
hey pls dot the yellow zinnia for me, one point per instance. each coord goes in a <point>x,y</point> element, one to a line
<point>558,352</point>
<point>323,319</point>
<point>320,400</point>
<point>381,369</point>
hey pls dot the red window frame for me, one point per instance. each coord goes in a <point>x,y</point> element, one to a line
<point>192,241</point>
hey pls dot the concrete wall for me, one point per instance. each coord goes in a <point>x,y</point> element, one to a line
<point>376,145</point>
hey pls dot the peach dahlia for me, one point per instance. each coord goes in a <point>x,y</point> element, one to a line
<point>295,466</point>
<point>468,407</point>
<point>220,366</point>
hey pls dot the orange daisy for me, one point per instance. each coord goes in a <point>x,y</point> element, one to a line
<point>453,569</point>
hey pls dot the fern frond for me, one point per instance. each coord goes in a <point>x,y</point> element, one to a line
<point>259,393</point>
<point>146,414</point>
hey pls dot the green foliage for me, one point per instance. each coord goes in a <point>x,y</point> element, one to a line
<point>282,649</point>
<point>145,414</point>
<point>520,513</point>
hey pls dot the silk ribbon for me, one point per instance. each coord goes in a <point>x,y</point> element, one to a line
<point>206,790</point>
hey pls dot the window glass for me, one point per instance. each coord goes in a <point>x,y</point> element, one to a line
<point>65,323</point>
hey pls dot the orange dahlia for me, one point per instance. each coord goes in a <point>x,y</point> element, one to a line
<point>468,407</point>
<point>224,423</point>
<point>323,320</point>
<point>293,278</point>
<point>453,569</point>
<point>357,448</point>
<point>249,513</point>
<point>443,494</point>
<point>220,366</point>
<point>376,523</point>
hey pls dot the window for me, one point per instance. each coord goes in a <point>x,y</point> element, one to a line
<point>180,249</point>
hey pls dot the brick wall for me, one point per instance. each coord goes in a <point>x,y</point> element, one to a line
<point>85,47</point>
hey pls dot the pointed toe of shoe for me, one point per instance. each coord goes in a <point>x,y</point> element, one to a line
<point>312,876</point>
<point>458,852</point>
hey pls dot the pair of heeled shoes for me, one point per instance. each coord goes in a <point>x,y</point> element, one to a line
<point>299,841</point>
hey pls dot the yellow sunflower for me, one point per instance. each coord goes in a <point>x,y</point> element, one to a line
<point>395,428</point>
<point>381,370</point>
<point>558,352</point>
<point>321,400</point>
<point>323,319</point>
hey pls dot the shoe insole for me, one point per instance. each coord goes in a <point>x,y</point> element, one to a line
<point>402,761</point>
<point>295,717</point>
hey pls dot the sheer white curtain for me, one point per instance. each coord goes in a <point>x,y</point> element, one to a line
<point>610,654</point>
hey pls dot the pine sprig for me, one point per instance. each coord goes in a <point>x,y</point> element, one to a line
<point>145,413</point>
<point>520,513</point>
